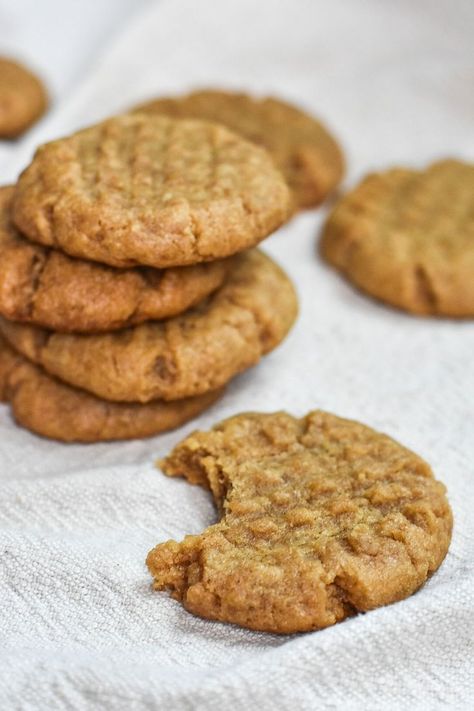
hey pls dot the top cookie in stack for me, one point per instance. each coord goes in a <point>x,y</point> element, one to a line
<point>150,190</point>
<point>121,225</point>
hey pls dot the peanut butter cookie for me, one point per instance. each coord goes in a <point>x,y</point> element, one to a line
<point>407,237</point>
<point>143,189</point>
<point>23,98</point>
<point>8,359</point>
<point>52,409</point>
<point>303,149</point>
<point>320,518</point>
<point>186,355</point>
<point>48,288</point>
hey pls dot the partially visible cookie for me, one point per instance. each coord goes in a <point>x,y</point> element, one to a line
<point>23,98</point>
<point>321,517</point>
<point>142,189</point>
<point>52,409</point>
<point>407,237</point>
<point>304,150</point>
<point>48,288</point>
<point>8,360</point>
<point>186,355</point>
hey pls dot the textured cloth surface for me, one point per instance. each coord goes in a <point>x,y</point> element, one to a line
<point>80,627</point>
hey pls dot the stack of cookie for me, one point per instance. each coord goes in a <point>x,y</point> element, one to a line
<point>129,290</point>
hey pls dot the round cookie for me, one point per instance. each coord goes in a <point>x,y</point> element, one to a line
<point>151,190</point>
<point>48,288</point>
<point>321,517</point>
<point>407,237</point>
<point>187,355</point>
<point>23,98</point>
<point>52,409</point>
<point>303,149</point>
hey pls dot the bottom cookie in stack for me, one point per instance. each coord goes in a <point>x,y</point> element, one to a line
<point>50,408</point>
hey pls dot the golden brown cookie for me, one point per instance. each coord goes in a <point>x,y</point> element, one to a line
<point>151,190</point>
<point>48,288</point>
<point>321,517</point>
<point>306,153</point>
<point>187,355</point>
<point>52,409</point>
<point>8,359</point>
<point>23,98</point>
<point>407,237</point>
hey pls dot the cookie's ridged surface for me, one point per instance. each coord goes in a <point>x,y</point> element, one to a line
<point>407,237</point>
<point>22,98</point>
<point>48,288</point>
<point>52,409</point>
<point>321,517</point>
<point>301,146</point>
<point>151,190</point>
<point>183,356</point>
